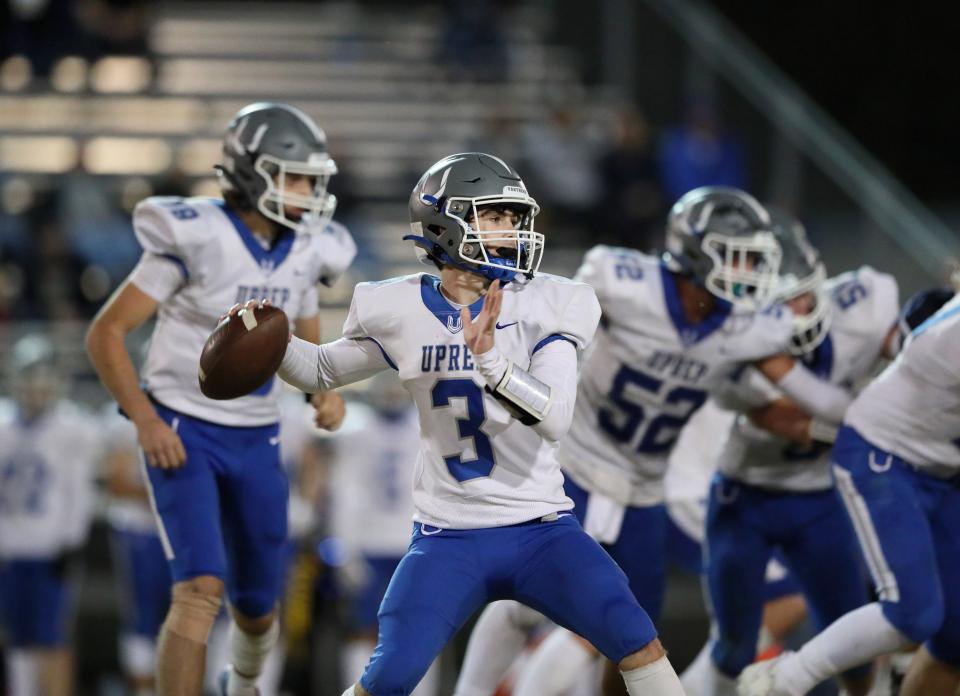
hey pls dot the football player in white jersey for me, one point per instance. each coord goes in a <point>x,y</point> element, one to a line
<point>375,453</point>
<point>897,466</point>
<point>49,449</point>
<point>216,482</point>
<point>488,350</point>
<point>774,493</point>
<point>673,331</point>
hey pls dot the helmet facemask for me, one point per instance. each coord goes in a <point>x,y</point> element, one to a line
<point>745,267</point>
<point>518,248</point>
<point>811,328</point>
<point>319,206</point>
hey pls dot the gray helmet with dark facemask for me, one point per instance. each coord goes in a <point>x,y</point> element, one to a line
<point>721,237</point>
<point>444,209</point>
<point>266,142</point>
<point>801,272</point>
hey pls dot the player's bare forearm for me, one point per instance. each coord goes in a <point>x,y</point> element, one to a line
<point>784,419</point>
<point>108,353</point>
<point>817,396</point>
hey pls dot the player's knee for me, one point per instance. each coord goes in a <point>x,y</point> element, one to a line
<point>257,625</point>
<point>208,585</point>
<point>732,657</point>
<point>651,652</point>
<point>259,603</point>
<point>192,613</point>
<point>395,670</point>
<point>916,620</point>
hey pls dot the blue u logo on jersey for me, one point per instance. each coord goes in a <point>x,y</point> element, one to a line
<point>444,358</point>
<point>454,323</point>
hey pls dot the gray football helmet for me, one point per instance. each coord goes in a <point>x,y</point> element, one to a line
<point>722,238</point>
<point>34,378</point>
<point>263,144</point>
<point>801,272</point>
<point>444,209</point>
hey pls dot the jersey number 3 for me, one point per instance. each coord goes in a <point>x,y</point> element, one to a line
<point>466,389</point>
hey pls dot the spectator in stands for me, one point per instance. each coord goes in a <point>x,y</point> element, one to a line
<point>700,152</point>
<point>562,155</point>
<point>633,205</point>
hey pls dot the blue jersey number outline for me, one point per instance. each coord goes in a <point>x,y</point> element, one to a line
<point>849,293</point>
<point>470,427</point>
<point>631,415</point>
<point>24,478</point>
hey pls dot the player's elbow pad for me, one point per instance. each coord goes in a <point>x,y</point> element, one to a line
<point>526,397</point>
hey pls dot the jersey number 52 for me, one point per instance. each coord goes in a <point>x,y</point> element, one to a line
<point>660,433</point>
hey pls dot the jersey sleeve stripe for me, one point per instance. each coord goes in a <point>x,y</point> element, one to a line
<point>550,339</point>
<point>179,263</point>
<point>385,356</point>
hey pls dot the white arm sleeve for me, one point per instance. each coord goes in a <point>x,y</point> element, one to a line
<point>313,368</point>
<point>556,366</point>
<point>817,397</point>
<point>158,276</point>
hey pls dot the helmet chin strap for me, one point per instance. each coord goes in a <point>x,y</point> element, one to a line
<point>505,273</point>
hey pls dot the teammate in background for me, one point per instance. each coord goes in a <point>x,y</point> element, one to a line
<point>674,330</point>
<point>214,467</point>
<point>141,568</point>
<point>374,458</point>
<point>495,392</point>
<point>777,493</point>
<point>693,464</point>
<point>48,456</point>
<point>896,463</point>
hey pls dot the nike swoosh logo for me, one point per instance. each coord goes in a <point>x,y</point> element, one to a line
<point>505,326</point>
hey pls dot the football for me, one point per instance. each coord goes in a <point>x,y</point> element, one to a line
<point>243,352</point>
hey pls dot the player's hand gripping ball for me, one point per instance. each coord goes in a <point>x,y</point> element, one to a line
<point>244,351</point>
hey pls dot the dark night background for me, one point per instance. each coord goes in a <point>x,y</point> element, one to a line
<point>889,75</point>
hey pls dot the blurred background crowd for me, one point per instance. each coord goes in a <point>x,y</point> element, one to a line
<point>610,110</point>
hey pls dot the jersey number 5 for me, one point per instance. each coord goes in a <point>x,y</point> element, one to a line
<point>661,433</point>
<point>466,389</point>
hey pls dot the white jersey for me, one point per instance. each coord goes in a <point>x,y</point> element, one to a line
<point>47,470</point>
<point>913,408</point>
<point>120,438</point>
<point>220,263</point>
<point>375,457</point>
<point>865,306</point>
<point>648,371</point>
<point>478,466</point>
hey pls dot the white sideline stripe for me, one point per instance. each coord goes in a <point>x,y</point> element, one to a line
<point>249,320</point>
<point>883,577</point>
<point>164,539</point>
